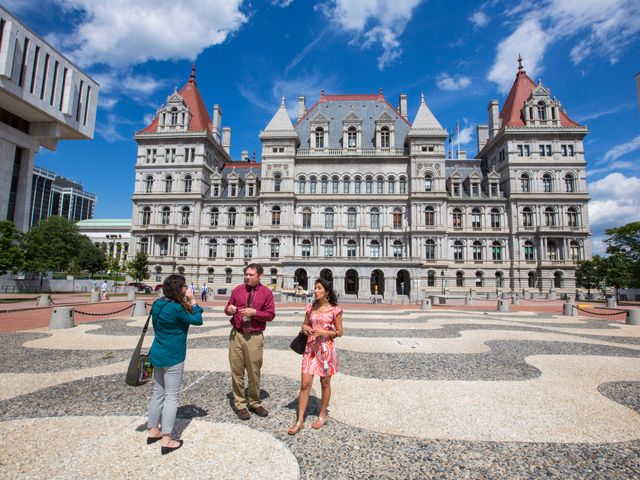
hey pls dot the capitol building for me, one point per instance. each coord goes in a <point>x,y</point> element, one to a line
<point>355,191</point>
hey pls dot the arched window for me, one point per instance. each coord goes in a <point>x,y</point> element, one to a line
<point>275,248</point>
<point>552,250</point>
<point>459,279</point>
<point>168,183</point>
<point>457,218</point>
<point>479,279</point>
<point>429,216</point>
<point>397,249</point>
<point>346,185</point>
<point>166,215</point>
<point>231,215</point>
<point>188,183</point>
<point>368,183</point>
<point>306,218</point>
<point>319,133</point>
<point>148,184</point>
<point>214,217</point>
<point>403,185</point>
<point>575,250</point>
<point>527,217</point>
<point>328,218</point>
<point>301,184</point>
<point>335,184</point>
<point>230,248</point>
<point>570,183</point>
<point>557,279</point>
<point>477,251</point>
<point>496,251</point>
<point>183,247</point>
<point>351,248</point>
<point>186,216</point>
<point>277,182</point>
<point>529,251</point>
<point>430,250</point>
<point>352,217</point>
<point>476,218</point>
<point>174,116</point>
<point>212,248</point>
<point>499,278</point>
<point>547,182</point>
<point>531,280</point>
<point>328,248</point>
<point>385,137</point>
<point>428,182</point>
<point>550,217</point>
<point>275,215</point>
<point>525,183</point>
<point>458,251</point>
<point>495,218</point>
<point>324,181</point>
<point>357,184</point>
<point>249,216</point>
<point>380,184</point>
<point>397,219</point>
<point>143,245</point>
<point>375,218</point>
<point>248,249</point>
<point>312,184</point>
<point>146,216</point>
<point>306,248</point>
<point>572,217</point>
<point>352,137</point>
<point>228,275</point>
<point>164,246</point>
<point>374,248</point>
<point>392,185</point>
<point>542,110</point>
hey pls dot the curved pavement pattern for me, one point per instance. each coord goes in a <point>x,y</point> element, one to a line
<point>515,395</point>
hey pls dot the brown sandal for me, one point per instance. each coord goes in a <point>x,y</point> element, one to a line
<point>295,428</point>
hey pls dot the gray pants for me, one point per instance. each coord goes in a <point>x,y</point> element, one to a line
<point>164,400</point>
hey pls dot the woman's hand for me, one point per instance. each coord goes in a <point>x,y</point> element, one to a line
<point>307,330</point>
<point>190,297</point>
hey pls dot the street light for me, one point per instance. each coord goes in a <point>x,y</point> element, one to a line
<point>442,277</point>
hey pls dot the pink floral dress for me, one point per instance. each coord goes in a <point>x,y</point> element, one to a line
<point>320,357</point>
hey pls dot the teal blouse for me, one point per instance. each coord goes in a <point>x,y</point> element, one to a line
<point>170,325</point>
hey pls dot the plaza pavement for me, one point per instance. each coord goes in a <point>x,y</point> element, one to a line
<point>447,393</point>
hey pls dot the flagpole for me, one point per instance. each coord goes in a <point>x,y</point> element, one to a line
<point>458,135</point>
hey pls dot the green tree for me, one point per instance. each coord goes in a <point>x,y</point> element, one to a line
<point>90,257</point>
<point>51,245</point>
<point>138,268</point>
<point>625,241</point>
<point>617,271</point>
<point>590,273</point>
<point>11,252</point>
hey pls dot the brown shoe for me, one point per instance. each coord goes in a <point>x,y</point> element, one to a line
<point>243,414</point>
<point>259,410</point>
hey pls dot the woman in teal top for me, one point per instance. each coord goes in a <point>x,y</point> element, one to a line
<point>171,317</point>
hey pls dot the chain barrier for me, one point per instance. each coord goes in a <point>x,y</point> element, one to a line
<point>618,312</point>
<point>539,301</point>
<point>612,309</point>
<point>102,314</point>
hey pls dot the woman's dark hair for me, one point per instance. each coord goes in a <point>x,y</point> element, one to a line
<point>172,289</point>
<point>332,297</point>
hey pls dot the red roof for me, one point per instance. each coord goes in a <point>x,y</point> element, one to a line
<point>200,119</point>
<point>511,113</point>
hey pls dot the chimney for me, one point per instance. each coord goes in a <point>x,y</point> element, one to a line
<point>403,105</point>
<point>482,135</point>
<point>302,106</point>
<point>244,155</point>
<point>226,139</point>
<point>494,120</point>
<point>217,121</point>
<point>462,155</point>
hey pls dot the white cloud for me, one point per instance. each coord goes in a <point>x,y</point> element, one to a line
<point>304,52</point>
<point>479,19</point>
<point>446,82</point>
<point>623,149</point>
<point>121,33</point>
<point>377,21</point>
<point>529,40</point>
<point>614,201</point>
<point>282,3</point>
<point>465,136</point>
<point>617,165</point>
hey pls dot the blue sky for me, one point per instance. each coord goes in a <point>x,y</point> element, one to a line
<point>248,54</point>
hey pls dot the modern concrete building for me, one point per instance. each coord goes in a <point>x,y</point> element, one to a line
<point>52,194</point>
<point>43,98</point>
<point>358,193</point>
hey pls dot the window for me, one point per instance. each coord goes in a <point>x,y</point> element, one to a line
<point>306,248</point>
<point>275,215</point>
<point>531,280</point>
<point>495,218</point>
<point>567,150</point>
<point>403,185</point>
<point>357,185</point>
<point>385,137</point>
<point>499,279</point>
<point>476,219</point>
<point>477,251</point>
<point>374,248</point>
<point>542,111</point>
<point>549,217</point>
<point>231,216</point>
<point>455,189</point>
<point>575,251</point>
<point>430,250</point>
<point>189,155</point>
<point>230,250</point>
<point>457,218</point>
<point>547,182</point>
<point>458,253</point>
<point>312,185</point>
<point>328,248</point>
<point>429,216</point>
<point>168,183</point>
<point>493,189</point>
<point>346,183</point>
<point>213,248</point>
<point>397,249</point>
<point>380,185</point>
<point>216,190</point>
<point>525,183</point>
<point>328,218</point>
<point>164,246</point>
<point>233,189</point>
<point>306,218</point>
<point>352,216</point>
<point>148,184</point>
<point>214,217</point>
<point>527,217</point>
<point>183,247</point>
<point>174,116</point>
<point>572,217</point>
<point>475,189</point>
<point>392,185</point>
<point>570,183</point>
<point>375,218</point>
<point>431,278</point>
<point>169,155</point>
<point>301,184</point>
<point>166,215</point>
<point>249,215</point>
<point>496,251</point>
<point>351,137</point>
<point>186,216</point>
<point>251,188</point>
<point>323,185</point>
<point>275,248</point>
<point>351,248</point>
<point>248,249</point>
<point>146,216</point>
<point>479,279</point>
<point>334,184</point>
<point>228,276</point>
<point>210,275</point>
<point>367,184</point>
<point>188,182</point>
<point>397,219</point>
<point>529,251</point>
<point>557,280</point>
<point>459,279</point>
<point>319,134</point>
<point>277,182</point>
<point>523,150</point>
<point>552,250</point>
<point>428,183</point>
<point>143,245</point>
<point>545,150</point>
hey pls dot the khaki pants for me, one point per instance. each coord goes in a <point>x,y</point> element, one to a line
<point>245,353</point>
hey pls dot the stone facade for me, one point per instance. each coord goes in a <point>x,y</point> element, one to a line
<point>357,193</point>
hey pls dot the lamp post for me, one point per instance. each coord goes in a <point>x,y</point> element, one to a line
<point>442,278</point>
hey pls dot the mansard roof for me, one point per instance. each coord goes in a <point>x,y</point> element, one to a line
<point>511,113</point>
<point>200,119</point>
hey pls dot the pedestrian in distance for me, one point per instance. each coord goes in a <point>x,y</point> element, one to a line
<point>171,315</point>
<point>322,324</point>
<point>250,306</point>
<point>103,290</point>
<point>204,290</point>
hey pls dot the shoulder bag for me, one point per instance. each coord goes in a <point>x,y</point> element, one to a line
<point>140,369</point>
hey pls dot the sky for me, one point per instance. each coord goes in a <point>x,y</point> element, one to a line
<point>460,55</point>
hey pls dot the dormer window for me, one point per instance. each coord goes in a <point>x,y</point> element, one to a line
<point>385,137</point>
<point>319,137</point>
<point>174,116</point>
<point>493,189</point>
<point>475,189</point>
<point>455,189</point>
<point>542,111</point>
<point>352,137</point>
<point>251,189</point>
<point>215,191</point>
<point>233,189</point>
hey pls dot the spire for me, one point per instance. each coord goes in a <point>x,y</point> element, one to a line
<point>192,78</point>
<point>280,125</point>
<point>519,63</point>
<point>424,118</point>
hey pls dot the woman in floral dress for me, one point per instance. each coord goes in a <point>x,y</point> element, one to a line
<point>322,323</point>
